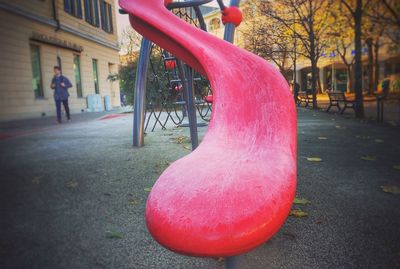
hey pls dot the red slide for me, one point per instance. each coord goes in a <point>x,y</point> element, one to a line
<point>235,191</point>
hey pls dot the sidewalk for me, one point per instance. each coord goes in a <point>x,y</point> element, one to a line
<point>75,197</point>
<point>30,126</point>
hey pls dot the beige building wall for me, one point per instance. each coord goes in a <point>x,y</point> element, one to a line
<point>211,18</point>
<point>17,98</point>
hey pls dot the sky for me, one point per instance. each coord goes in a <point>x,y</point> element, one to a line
<point>123,21</point>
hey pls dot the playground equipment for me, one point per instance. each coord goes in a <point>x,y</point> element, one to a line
<point>177,86</point>
<point>165,94</point>
<point>235,190</point>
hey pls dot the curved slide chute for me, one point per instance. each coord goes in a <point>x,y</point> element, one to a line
<point>234,191</point>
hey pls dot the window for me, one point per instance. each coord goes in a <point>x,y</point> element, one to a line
<point>73,7</point>
<point>36,71</point>
<point>59,64</point>
<point>215,24</point>
<point>106,16</point>
<point>95,76</point>
<point>77,71</point>
<point>92,12</point>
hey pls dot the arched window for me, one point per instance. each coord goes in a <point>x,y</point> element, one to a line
<point>215,24</point>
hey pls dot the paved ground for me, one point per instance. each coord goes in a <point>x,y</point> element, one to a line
<point>73,196</point>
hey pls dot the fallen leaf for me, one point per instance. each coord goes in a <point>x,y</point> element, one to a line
<point>379,140</point>
<point>301,201</point>
<point>147,189</point>
<point>368,158</point>
<point>114,235</point>
<point>181,139</point>
<point>314,159</point>
<point>37,180</point>
<point>298,213</point>
<point>391,189</point>
<point>322,138</point>
<point>133,201</point>
<point>186,147</point>
<point>397,167</point>
<point>363,136</point>
<point>71,184</point>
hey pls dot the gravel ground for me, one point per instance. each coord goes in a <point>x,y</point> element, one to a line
<point>73,196</point>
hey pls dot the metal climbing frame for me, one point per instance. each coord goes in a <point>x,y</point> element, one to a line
<point>165,91</point>
<point>177,84</point>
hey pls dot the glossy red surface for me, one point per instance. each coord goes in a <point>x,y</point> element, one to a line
<point>208,98</point>
<point>170,64</point>
<point>167,2</point>
<point>232,15</point>
<point>235,190</point>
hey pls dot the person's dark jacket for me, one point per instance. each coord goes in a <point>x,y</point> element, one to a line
<point>60,92</point>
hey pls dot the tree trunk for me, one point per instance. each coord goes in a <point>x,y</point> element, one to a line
<point>370,66</point>
<point>314,70</point>
<point>319,87</point>
<point>359,105</point>
<point>376,65</point>
<point>349,78</point>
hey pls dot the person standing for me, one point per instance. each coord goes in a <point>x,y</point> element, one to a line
<point>60,85</point>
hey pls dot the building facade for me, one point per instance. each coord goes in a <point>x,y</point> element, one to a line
<point>212,18</point>
<point>333,73</point>
<point>80,36</point>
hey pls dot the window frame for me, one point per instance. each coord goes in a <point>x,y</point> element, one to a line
<point>39,93</point>
<point>106,17</point>
<point>92,15</point>
<point>78,84</point>
<point>73,8</point>
<point>95,63</point>
<point>59,63</point>
<point>214,22</point>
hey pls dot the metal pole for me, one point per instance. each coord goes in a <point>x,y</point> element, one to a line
<point>229,34</point>
<point>139,108</point>
<point>186,77</point>
<point>200,18</point>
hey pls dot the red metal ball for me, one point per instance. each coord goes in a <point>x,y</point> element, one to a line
<point>208,99</point>
<point>232,15</point>
<point>170,64</point>
<point>167,2</point>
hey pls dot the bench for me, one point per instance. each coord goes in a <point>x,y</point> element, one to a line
<point>337,98</point>
<point>380,99</point>
<point>304,97</point>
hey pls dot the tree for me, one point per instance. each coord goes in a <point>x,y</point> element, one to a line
<point>382,24</point>
<point>392,19</point>
<point>356,8</point>
<point>342,41</point>
<point>308,21</point>
<point>266,38</point>
<point>130,41</point>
